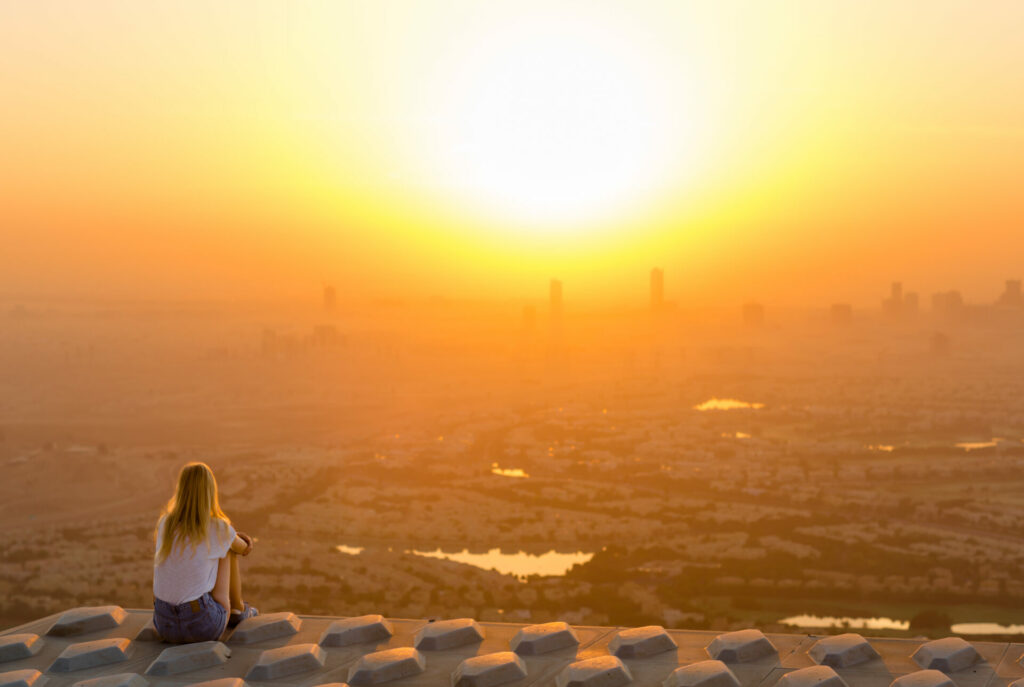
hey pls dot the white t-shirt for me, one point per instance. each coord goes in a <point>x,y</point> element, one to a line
<point>189,572</point>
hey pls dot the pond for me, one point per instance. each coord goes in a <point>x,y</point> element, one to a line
<point>853,623</point>
<point>507,472</point>
<point>727,404</point>
<point>814,621</point>
<point>520,564</point>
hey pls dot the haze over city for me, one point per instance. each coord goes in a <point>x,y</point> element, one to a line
<point>706,316</point>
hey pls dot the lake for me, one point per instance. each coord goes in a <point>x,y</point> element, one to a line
<point>727,404</point>
<point>814,621</point>
<point>520,564</point>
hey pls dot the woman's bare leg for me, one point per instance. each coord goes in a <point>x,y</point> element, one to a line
<point>236,583</point>
<point>222,587</point>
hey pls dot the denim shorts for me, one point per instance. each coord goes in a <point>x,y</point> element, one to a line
<point>201,620</point>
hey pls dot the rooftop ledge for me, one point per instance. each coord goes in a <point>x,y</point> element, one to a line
<point>107,646</point>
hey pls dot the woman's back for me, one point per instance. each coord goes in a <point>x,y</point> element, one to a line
<point>190,568</point>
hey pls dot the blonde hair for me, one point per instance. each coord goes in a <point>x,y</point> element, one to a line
<point>187,516</point>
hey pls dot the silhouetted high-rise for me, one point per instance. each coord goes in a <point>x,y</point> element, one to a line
<point>657,289</point>
<point>1012,296</point>
<point>330,298</point>
<point>899,304</point>
<point>555,304</point>
<point>948,303</point>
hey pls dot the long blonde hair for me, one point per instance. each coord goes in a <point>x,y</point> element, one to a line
<point>187,516</point>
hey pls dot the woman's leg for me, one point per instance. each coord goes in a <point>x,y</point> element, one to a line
<point>222,588</point>
<point>236,583</point>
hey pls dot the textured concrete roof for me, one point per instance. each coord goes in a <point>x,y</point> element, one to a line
<point>110,647</point>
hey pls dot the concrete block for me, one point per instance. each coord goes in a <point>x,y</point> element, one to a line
<point>22,678</point>
<point>264,627</point>
<point>640,642</point>
<point>842,651</point>
<point>709,673</point>
<point>98,652</point>
<point>14,647</point>
<point>185,658</point>
<point>949,654</point>
<point>385,666</point>
<point>365,628</point>
<point>222,682</point>
<point>740,646</point>
<point>602,671</point>
<point>118,680</point>
<point>148,633</point>
<point>286,660</point>
<point>923,678</point>
<point>448,634</point>
<point>814,676</point>
<point>533,640</point>
<point>80,621</point>
<point>489,670</point>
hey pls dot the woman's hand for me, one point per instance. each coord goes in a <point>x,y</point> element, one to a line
<point>248,543</point>
<point>242,545</point>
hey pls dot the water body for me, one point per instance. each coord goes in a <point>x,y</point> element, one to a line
<point>975,445</point>
<point>507,472</point>
<point>853,623</point>
<point>987,629</point>
<point>350,550</point>
<point>727,404</point>
<point>520,564</point>
<point>814,621</point>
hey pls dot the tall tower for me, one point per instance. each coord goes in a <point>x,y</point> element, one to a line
<point>555,305</point>
<point>657,289</point>
<point>330,298</point>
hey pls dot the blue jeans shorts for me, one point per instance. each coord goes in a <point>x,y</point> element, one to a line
<point>201,620</point>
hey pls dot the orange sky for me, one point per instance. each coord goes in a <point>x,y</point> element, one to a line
<point>802,152</point>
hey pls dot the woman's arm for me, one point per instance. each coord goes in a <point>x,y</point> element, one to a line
<point>242,545</point>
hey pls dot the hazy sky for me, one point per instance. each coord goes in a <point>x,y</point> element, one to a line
<point>800,152</point>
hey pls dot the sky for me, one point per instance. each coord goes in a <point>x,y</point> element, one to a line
<point>795,152</point>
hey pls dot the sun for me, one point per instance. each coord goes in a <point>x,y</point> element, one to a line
<point>553,126</point>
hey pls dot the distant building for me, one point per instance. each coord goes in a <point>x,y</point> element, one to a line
<point>899,304</point>
<point>330,298</point>
<point>911,303</point>
<point>841,313</point>
<point>753,314</point>
<point>657,289</point>
<point>555,304</point>
<point>1011,297</point>
<point>948,303</point>
<point>325,336</point>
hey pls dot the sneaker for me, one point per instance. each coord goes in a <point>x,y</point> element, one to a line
<point>239,616</point>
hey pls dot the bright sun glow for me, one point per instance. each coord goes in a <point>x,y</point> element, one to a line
<point>554,127</point>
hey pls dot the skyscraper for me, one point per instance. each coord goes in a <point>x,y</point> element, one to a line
<point>555,305</point>
<point>1012,296</point>
<point>330,298</point>
<point>657,289</point>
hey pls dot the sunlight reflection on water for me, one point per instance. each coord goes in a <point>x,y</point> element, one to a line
<point>726,404</point>
<point>855,623</point>
<point>520,564</point>
<point>814,621</point>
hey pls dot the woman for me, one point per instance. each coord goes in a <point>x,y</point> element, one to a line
<point>196,583</point>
